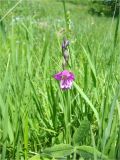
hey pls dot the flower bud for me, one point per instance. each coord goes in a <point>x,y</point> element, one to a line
<point>65,44</point>
<point>66,55</point>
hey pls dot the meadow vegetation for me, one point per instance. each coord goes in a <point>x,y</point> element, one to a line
<point>39,121</point>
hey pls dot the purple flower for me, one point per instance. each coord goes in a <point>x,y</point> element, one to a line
<point>66,79</point>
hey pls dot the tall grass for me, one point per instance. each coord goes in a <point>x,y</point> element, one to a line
<point>37,118</point>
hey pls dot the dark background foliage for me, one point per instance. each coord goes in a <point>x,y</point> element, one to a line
<point>106,7</point>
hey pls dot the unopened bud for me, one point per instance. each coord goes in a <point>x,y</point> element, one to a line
<point>66,55</point>
<point>65,44</point>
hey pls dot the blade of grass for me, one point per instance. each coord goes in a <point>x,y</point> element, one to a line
<point>88,102</point>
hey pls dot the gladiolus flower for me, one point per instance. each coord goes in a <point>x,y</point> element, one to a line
<point>66,79</point>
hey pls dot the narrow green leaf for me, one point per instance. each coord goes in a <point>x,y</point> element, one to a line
<point>88,102</point>
<point>90,63</point>
<point>107,132</point>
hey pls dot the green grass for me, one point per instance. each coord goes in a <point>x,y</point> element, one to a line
<point>37,118</point>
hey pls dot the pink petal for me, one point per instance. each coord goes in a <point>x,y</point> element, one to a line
<point>72,77</point>
<point>66,84</point>
<point>58,76</point>
<point>65,73</point>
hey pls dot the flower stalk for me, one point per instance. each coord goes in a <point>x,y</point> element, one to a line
<point>65,77</point>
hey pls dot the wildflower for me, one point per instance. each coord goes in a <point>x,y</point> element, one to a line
<point>66,79</point>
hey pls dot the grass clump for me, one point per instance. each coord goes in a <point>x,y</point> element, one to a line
<point>37,118</point>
